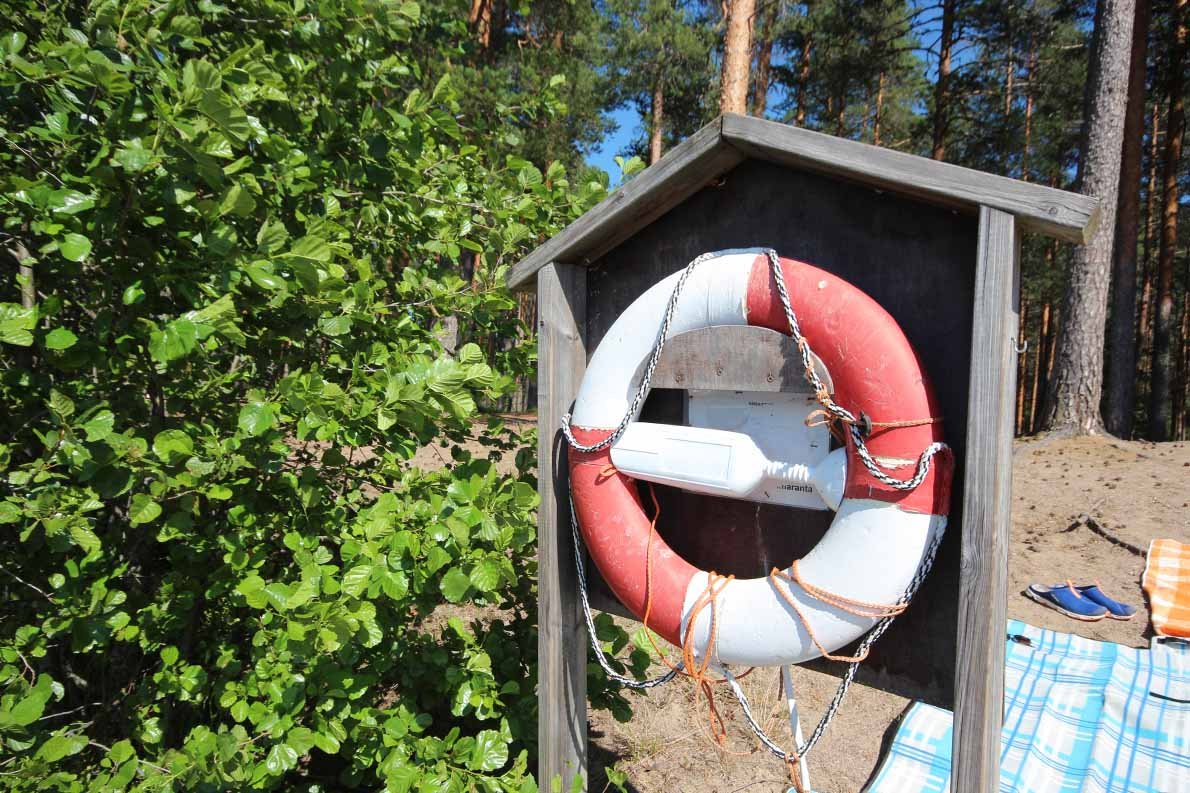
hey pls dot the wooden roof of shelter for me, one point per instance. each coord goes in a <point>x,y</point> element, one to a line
<point>730,139</point>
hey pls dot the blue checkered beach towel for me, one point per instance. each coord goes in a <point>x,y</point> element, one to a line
<point>1081,716</point>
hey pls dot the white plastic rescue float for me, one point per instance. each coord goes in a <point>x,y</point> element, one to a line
<point>880,534</point>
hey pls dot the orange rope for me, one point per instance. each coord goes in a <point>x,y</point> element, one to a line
<point>695,671</point>
<point>859,608</point>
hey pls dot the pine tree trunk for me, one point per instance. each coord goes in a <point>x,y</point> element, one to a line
<point>1009,74</point>
<point>1078,371</point>
<point>480,19</point>
<point>941,88</point>
<point>1159,393</point>
<point>1144,322</point>
<point>764,59</point>
<point>657,119</point>
<point>1030,69</point>
<point>1022,365</point>
<point>879,110</point>
<point>1182,354</point>
<point>1120,379</point>
<point>1051,354</point>
<point>1043,340</point>
<point>803,80</point>
<point>737,57</point>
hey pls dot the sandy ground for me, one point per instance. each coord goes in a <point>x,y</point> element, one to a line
<point>1132,492</point>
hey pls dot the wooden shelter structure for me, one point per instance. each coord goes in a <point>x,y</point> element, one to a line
<point>937,245</point>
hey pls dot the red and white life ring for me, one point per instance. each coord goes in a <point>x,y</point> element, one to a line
<point>879,535</point>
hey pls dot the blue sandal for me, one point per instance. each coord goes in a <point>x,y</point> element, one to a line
<point>1115,609</point>
<point>1066,599</point>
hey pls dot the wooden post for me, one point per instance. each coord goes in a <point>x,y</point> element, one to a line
<point>561,635</point>
<point>987,495</point>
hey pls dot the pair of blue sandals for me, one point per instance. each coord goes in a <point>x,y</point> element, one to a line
<point>1086,603</point>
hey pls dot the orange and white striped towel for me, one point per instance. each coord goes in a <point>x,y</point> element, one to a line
<point>1167,581</point>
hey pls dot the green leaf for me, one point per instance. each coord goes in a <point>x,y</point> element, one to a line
<point>200,75</point>
<point>74,247</point>
<point>312,248</point>
<point>61,746</point>
<point>335,326</point>
<point>133,294</point>
<point>490,752</point>
<point>486,575</point>
<point>455,584</point>
<point>60,405</point>
<point>172,446</point>
<point>100,426</point>
<point>300,739</point>
<point>257,418</point>
<point>32,705</point>
<point>178,340</point>
<point>143,510</point>
<point>230,118</point>
<point>436,558</point>
<point>271,237</point>
<point>133,157</point>
<point>237,201</point>
<point>60,339</point>
<point>70,202</point>
<point>281,758</point>
<point>84,538</point>
<point>355,580</point>
<point>261,274</point>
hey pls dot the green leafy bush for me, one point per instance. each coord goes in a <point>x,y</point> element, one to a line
<point>231,232</point>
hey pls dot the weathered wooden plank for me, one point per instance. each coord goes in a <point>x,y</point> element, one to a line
<point>561,637</point>
<point>686,168</point>
<point>1065,215</point>
<point>734,358</point>
<point>979,668</point>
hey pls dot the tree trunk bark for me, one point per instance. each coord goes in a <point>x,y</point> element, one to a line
<point>1159,394</point>
<point>1120,399</point>
<point>737,57</point>
<point>1043,340</point>
<point>764,59</point>
<point>1022,365</point>
<point>480,19</point>
<point>1078,372</point>
<point>657,119</point>
<point>1030,69</point>
<point>803,80</point>
<point>1182,371</point>
<point>941,87</point>
<point>879,110</point>
<point>1144,323</point>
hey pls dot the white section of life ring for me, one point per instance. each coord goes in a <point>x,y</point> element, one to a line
<point>715,294</point>
<point>870,553</point>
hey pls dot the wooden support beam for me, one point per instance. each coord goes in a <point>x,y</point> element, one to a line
<point>561,634</point>
<point>987,496</point>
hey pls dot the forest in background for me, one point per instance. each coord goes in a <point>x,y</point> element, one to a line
<point>254,259</point>
<point>997,85</point>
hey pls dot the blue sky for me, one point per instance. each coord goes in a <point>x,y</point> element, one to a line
<point>604,156</point>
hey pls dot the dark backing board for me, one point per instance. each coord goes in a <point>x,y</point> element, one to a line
<point>917,260</point>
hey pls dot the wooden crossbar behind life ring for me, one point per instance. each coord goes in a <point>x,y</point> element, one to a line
<point>879,534</point>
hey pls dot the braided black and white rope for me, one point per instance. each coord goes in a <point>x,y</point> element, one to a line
<point>581,568</point>
<point>877,631</point>
<point>835,409</point>
<point>646,382</point>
